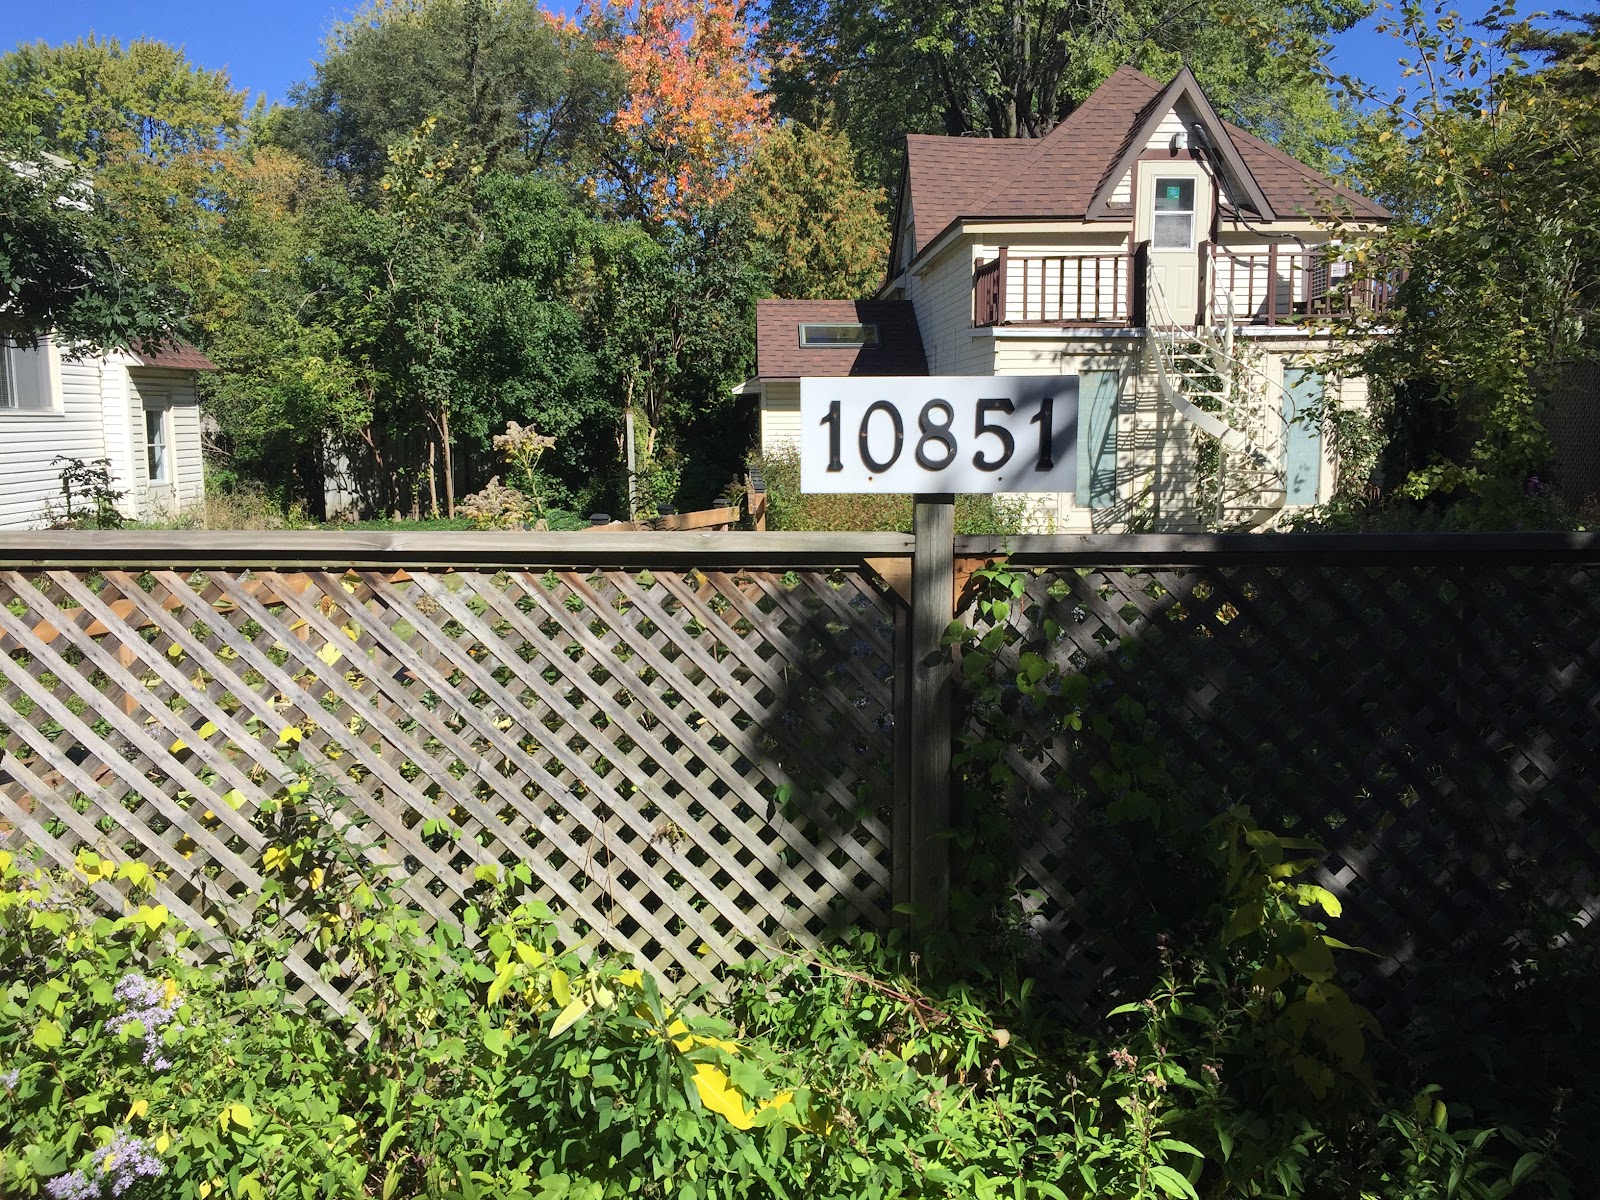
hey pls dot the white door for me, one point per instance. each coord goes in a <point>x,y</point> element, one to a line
<point>1172,204</point>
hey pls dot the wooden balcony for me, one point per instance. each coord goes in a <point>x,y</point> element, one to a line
<point>1056,289</point>
<point>1278,284</point>
<point>1282,284</point>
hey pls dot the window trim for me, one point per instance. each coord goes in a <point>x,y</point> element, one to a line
<point>47,375</point>
<point>869,335</point>
<point>162,411</point>
<point>1191,212</point>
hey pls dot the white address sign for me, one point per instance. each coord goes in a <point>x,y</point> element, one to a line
<point>939,433</point>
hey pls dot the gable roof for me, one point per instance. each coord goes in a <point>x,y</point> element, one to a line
<point>779,354</point>
<point>1063,175</point>
<point>1184,88</point>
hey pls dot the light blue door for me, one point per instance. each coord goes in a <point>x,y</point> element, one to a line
<point>1305,390</point>
<point>1097,438</point>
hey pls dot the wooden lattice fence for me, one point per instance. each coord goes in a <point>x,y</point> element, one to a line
<point>706,745</point>
<point>1429,713</point>
<point>692,761</point>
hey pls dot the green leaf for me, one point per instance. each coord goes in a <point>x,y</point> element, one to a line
<point>47,1035</point>
<point>1176,1144</point>
<point>1172,1183</point>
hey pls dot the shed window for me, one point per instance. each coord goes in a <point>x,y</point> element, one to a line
<point>838,335</point>
<point>155,442</point>
<point>1173,224</point>
<point>25,379</point>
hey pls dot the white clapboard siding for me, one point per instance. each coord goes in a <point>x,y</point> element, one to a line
<point>187,472</point>
<point>31,441</point>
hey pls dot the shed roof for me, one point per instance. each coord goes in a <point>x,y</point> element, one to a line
<point>173,354</point>
<point>779,354</point>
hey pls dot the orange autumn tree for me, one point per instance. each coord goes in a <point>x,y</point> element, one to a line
<point>693,113</point>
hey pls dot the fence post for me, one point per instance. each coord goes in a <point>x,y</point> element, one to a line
<point>922,794</point>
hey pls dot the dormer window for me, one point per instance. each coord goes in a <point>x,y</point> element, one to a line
<point>836,336</point>
<point>1172,226</point>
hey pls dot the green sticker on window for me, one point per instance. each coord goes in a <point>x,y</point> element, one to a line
<point>1174,192</point>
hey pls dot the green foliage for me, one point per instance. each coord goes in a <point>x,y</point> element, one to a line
<point>1006,69</point>
<point>822,229</point>
<point>1487,166</point>
<point>789,508</point>
<point>62,266</point>
<point>88,499</point>
<point>506,87</point>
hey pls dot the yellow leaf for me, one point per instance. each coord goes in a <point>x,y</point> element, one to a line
<point>329,653</point>
<point>292,735</point>
<point>316,878</point>
<point>631,978</point>
<point>559,987</point>
<point>169,990</point>
<point>5,861</point>
<point>721,1097</point>
<point>207,729</point>
<point>275,858</point>
<point>137,1109</point>
<point>162,1143</point>
<point>178,745</point>
<point>205,1190</point>
<point>568,1018</point>
<point>233,798</point>
<point>242,1116</point>
<point>135,873</point>
<point>152,918</point>
<point>175,652</point>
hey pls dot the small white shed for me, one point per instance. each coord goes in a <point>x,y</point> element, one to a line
<point>139,410</point>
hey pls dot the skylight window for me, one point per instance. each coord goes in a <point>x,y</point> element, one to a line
<point>834,336</point>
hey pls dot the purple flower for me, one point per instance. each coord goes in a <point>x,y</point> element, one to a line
<point>126,1161</point>
<point>9,1079</point>
<point>153,1006</point>
<point>75,1186</point>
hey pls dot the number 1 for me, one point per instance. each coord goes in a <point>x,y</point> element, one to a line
<point>1045,420</point>
<point>833,421</point>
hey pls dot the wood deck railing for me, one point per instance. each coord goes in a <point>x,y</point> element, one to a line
<point>1280,284</point>
<point>1054,289</point>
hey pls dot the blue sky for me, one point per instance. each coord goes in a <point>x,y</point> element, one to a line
<point>266,47</point>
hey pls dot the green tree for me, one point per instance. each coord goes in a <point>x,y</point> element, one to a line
<point>95,100</point>
<point>1005,68</point>
<point>62,268</point>
<point>508,87</point>
<point>1490,169</point>
<point>822,229</point>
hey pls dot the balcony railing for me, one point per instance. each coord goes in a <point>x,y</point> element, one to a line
<point>1055,289</point>
<point>1280,285</point>
<point>1272,285</point>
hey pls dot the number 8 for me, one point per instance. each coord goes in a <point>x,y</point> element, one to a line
<point>936,433</point>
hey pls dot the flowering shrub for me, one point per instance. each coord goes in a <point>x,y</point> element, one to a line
<point>140,1058</point>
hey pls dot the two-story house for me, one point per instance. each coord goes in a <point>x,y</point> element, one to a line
<point>1185,270</point>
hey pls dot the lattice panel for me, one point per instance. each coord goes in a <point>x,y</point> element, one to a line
<point>695,765</point>
<point>1436,729</point>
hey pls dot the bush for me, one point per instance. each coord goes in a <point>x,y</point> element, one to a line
<point>790,509</point>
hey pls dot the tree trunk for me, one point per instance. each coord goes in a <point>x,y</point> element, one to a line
<point>433,481</point>
<point>627,442</point>
<point>449,463</point>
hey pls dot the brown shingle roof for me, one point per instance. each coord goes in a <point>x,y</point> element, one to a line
<point>1056,176</point>
<point>172,355</point>
<point>779,354</point>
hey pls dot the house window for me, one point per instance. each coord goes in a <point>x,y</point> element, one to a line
<point>838,335</point>
<point>155,443</point>
<point>25,379</point>
<point>1173,226</point>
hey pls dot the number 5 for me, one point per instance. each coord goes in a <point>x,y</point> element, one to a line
<point>1007,445</point>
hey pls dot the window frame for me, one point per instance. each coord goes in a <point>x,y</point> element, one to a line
<point>868,338</point>
<point>163,416</point>
<point>1157,213</point>
<point>43,374</point>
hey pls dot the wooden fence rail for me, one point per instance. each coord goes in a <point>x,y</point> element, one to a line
<point>709,744</point>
